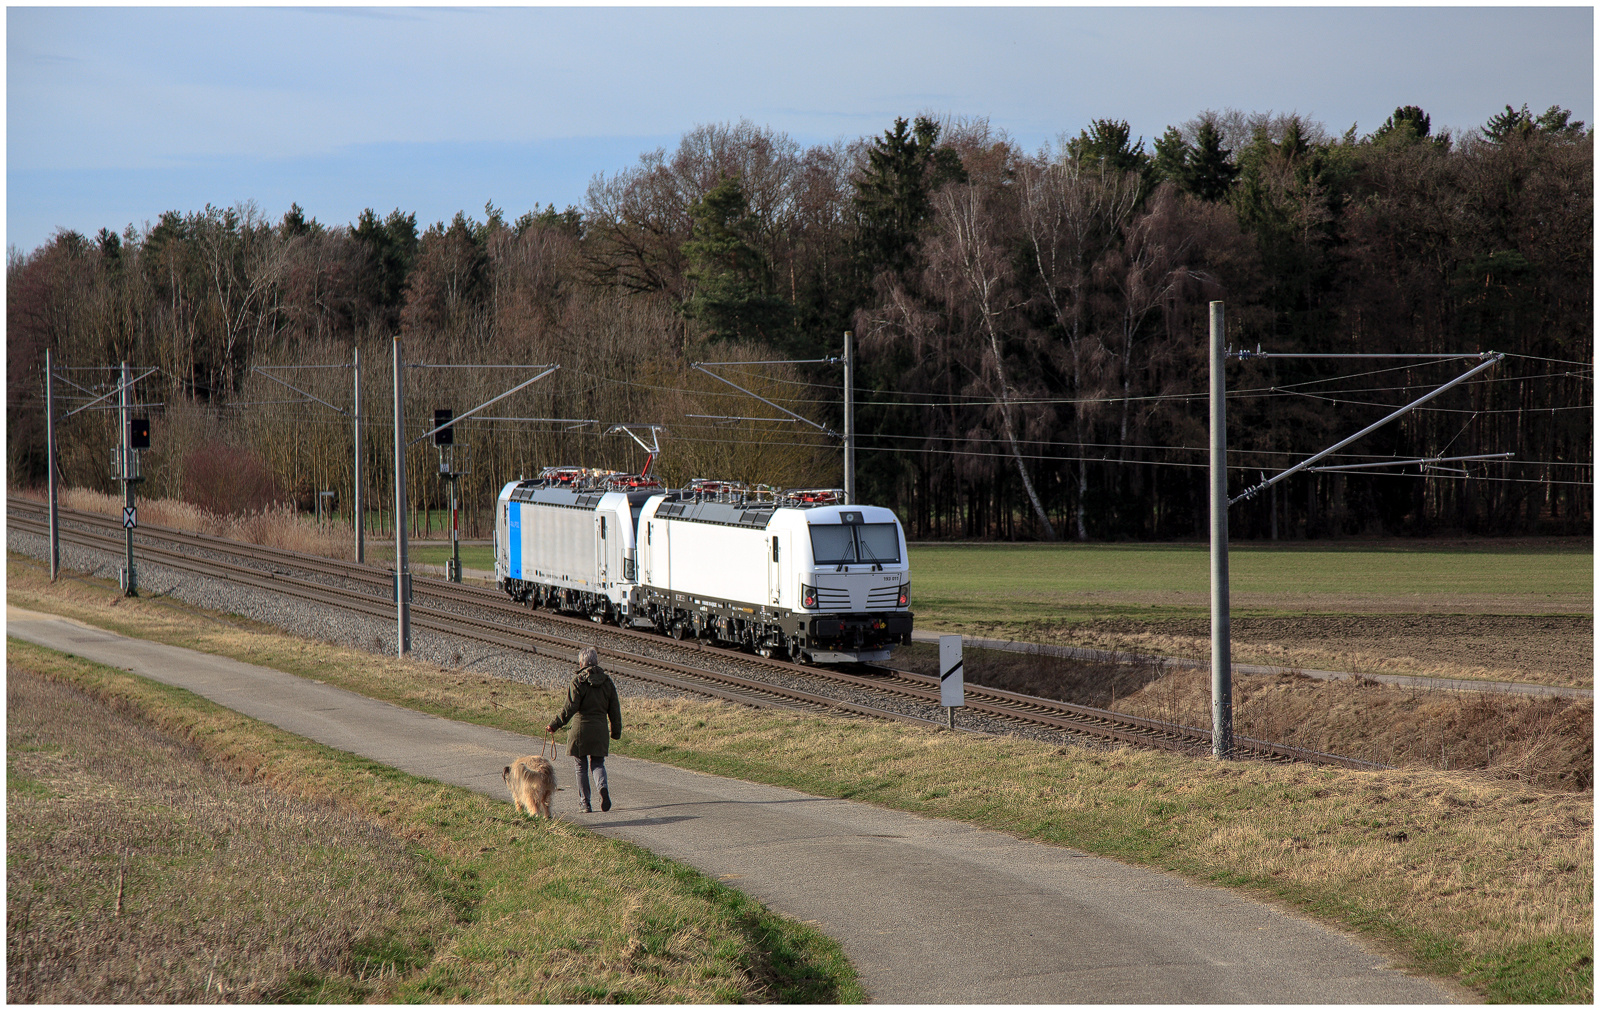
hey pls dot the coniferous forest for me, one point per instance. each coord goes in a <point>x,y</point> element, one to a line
<point>1030,328</point>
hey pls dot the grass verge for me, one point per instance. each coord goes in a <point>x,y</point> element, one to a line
<point>161,848</point>
<point>1477,880</point>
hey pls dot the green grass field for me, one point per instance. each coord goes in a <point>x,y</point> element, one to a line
<point>966,582</point>
<point>958,583</point>
<point>473,556</point>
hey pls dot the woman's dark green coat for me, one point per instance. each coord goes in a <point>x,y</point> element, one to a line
<point>591,702</point>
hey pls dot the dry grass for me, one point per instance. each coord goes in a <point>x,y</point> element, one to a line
<point>279,879</point>
<point>279,526</point>
<point>138,873</point>
<point>1487,881</point>
<point>1547,742</point>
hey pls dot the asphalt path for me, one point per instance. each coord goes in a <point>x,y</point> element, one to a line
<point>929,911</point>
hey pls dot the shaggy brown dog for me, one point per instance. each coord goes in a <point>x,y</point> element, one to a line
<point>533,782</point>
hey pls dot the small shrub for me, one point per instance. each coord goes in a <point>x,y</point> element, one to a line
<point>229,480</point>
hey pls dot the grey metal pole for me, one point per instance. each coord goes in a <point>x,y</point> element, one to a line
<point>455,524</point>
<point>361,527</point>
<point>127,465</point>
<point>50,463</point>
<point>401,568</point>
<point>1221,654</point>
<point>849,419</point>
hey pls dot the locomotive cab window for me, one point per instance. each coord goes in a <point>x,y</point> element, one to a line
<point>878,542</point>
<point>855,544</point>
<point>833,545</point>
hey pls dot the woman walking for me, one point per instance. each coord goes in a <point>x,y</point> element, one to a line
<point>591,703</point>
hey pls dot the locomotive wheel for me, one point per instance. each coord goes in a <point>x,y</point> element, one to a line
<point>764,650</point>
<point>678,632</point>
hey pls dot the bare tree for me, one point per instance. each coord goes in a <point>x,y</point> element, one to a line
<point>972,262</point>
<point>1072,215</point>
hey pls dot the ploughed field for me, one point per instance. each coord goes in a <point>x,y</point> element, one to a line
<point>1516,610</point>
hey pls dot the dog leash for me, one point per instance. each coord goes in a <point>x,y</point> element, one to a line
<point>549,744</point>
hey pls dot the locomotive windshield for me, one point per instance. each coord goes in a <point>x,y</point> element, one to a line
<point>854,544</point>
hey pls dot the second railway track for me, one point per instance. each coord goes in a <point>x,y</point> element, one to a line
<point>489,618</point>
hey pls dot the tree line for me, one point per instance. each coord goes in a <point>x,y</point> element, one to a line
<point>1031,327</point>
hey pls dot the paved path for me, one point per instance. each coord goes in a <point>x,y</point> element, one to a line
<point>1402,680</point>
<point>929,911</point>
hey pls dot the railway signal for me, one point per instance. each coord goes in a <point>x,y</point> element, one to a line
<point>402,573</point>
<point>444,437</point>
<point>125,468</point>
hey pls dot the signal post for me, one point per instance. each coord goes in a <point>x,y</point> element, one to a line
<point>444,437</point>
<point>125,468</point>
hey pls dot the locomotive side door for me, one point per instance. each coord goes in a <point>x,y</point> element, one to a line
<point>663,554</point>
<point>600,531</point>
<point>777,560</point>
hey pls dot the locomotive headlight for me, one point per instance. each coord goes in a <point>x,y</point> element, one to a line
<point>905,594</point>
<point>808,596</point>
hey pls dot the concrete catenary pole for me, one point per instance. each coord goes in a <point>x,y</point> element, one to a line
<point>361,527</point>
<point>849,419</point>
<point>132,589</point>
<point>1221,658</point>
<point>50,463</point>
<point>402,605</point>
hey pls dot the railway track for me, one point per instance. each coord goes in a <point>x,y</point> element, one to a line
<point>487,617</point>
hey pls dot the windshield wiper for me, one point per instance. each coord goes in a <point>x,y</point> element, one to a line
<point>863,548</point>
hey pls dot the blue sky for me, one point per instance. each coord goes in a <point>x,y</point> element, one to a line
<point>117,114</point>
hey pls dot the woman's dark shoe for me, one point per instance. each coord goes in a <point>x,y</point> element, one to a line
<point>605,800</point>
<point>585,809</point>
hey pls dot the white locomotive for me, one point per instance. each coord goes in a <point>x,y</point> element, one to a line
<point>798,573</point>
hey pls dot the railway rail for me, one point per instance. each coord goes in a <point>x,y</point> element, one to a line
<point>489,618</point>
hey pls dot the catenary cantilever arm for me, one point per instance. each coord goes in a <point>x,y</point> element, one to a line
<point>1303,464</point>
<point>764,400</point>
<point>481,406</point>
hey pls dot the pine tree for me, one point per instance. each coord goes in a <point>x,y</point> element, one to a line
<point>1106,141</point>
<point>904,167</point>
<point>1171,161</point>
<point>732,281</point>
<point>1210,171</point>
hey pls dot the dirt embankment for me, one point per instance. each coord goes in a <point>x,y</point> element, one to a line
<point>1542,649</point>
<point>1544,741</point>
